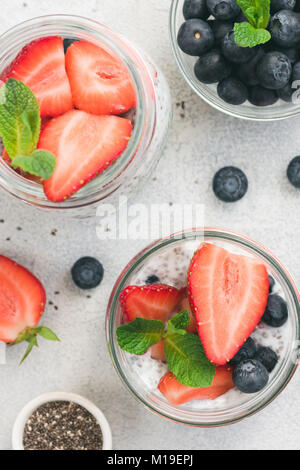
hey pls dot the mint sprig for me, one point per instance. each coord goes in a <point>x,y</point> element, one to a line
<point>187,360</point>
<point>184,352</point>
<point>137,336</point>
<point>253,33</point>
<point>20,125</point>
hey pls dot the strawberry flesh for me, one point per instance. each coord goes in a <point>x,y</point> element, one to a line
<point>177,394</point>
<point>22,300</point>
<point>100,82</point>
<point>153,302</point>
<point>228,294</point>
<point>41,66</point>
<point>84,145</point>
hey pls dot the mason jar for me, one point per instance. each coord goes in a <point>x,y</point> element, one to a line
<point>151,120</point>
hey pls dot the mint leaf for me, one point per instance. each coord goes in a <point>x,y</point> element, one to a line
<point>41,163</point>
<point>46,333</point>
<point>257,12</point>
<point>187,360</point>
<point>20,120</point>
<point>180,321</point>
<point>245,35</point>
<point>137,336</point>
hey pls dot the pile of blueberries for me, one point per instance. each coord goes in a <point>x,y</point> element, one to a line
<point>261,74</point>
<point>252,364</point>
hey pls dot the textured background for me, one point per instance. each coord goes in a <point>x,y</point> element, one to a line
<point>202,141</point>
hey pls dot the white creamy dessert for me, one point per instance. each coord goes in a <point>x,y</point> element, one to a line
<point>170,265</point>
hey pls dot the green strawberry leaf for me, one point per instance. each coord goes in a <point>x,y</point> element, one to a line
<point>41,163</point>
<point>137,336</point>
<point>20,120</point>
<point>180,322</point>
<point>246,35</point>
<point>187,360</point>
<point>46,333</point>
<point>31,343</point>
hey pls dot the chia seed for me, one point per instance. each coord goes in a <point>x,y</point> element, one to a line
<point>62,425</point>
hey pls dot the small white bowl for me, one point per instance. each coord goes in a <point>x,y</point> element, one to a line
<point>26,412</point>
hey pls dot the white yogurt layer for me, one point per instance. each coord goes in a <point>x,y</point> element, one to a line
<point>171,265</point>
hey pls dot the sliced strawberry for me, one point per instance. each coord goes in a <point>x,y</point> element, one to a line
<point>84,146</point>
<point>185,305</point>
<point>156,301</point>
<point>22,300</point>
<point>178,394</point>
<point>41,66</point>
<point>158,351</point>
<point>100,82</point>
<point>228,294</point>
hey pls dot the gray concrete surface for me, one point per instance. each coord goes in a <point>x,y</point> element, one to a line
<point>202,141</point>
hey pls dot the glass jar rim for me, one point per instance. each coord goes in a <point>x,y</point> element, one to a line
<point>288,367</point>
<point>114,176</point>
<point>211,97</point>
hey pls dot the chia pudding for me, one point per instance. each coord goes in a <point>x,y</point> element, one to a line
<point>170,265</point>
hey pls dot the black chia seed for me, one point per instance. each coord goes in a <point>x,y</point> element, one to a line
<point>62,425</point>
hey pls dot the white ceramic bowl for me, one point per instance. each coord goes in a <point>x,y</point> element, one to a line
<point>26,412</point>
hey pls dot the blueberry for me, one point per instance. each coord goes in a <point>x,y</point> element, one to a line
<point>277,5</point>
<point>291,52</point>
<point>260,96</point>
<point>232,90</point>
<point>271,283</point>
<point>212,67</point>
<point>220,29</point>
<point>267,357</point>
<point>68,43</point>
<point>285,28</point>
<point>296,71</point>
<point>153,279</point>
<point>235,53</point>
<point>87,273</point>
<point>293,172</point>
<point>223,9</point>
<point>241,18</point>
<point>195,9</point>
<point>274,70</point>
<point>195,37</point>
<point>247,351</point>
<point>286,93</point>
<point>247,72</point>
<point>230,184</point>
<point>276,313</point>
<point>250,376</point>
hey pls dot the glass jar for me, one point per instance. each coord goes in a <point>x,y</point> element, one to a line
<point>229,411</point>
<point>152,120</point>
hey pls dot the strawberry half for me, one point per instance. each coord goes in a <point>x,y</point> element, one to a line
<point>84,145</point>
<point>22,303</point>
<point>100,82</point>
<point>154,302</point>
<point>228,294</point>
<point>177,394</point>
<point>22,300</point>
<point>41,66</point>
